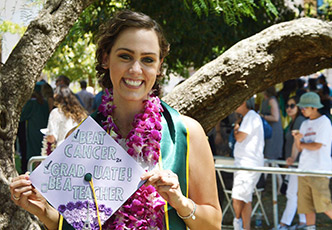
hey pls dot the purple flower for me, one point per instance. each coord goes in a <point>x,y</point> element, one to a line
<point>79,205</point>
<point>78,225</point>
<point>62,208</point>
<point>85,204</point>
<point>93,206</point>
<point>101,208</point>
<point>70,206</point>
<point>108,211</point>
<point>156,135</point>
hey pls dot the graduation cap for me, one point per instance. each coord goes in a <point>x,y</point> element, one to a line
<point>88,176</point>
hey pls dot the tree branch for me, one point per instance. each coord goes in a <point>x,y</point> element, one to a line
<point>284,51</point>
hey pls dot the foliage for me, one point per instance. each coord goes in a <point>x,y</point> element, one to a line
<point>198,30</point>
<point>232,10</point>
<point>75,57</point>
<point>325,11</point>
<point>75,61</point>
<point>11,27</point>
<point>198,38</point>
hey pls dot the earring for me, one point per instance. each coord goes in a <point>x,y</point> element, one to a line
<point>104,65</point>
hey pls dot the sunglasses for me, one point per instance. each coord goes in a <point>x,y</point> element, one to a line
<point>292,106</point>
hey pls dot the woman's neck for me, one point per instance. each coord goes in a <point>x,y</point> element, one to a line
<point>124,114</point>
<point>293,117</point>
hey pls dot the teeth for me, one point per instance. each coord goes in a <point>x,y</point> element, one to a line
<point>132,82</point>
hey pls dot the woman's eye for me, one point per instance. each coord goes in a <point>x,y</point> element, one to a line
<point>124,56</point>
<point>148,60</point>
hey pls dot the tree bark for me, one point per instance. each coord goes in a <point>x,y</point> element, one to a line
<point>17,79</point>
<point>281,52</point>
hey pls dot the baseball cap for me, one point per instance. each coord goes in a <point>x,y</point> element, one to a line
<point>310,99</point>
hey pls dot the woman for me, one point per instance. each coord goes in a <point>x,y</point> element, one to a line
<point>131,50</point>
<point>291,154</point>
<point>67,114</point>
<point>270,111</point>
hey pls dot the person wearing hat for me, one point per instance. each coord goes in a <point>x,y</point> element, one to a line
<point>314,141</point>
<point>248,151</point>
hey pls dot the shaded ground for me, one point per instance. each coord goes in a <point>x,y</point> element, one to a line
<point>322,222</point>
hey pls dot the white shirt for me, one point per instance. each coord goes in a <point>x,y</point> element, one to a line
<point>59,125</point>
<point>319,131</point>
<point>249,152</point>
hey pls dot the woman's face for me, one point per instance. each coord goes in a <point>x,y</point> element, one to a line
<point>134,63</point>
<point>291,108</point>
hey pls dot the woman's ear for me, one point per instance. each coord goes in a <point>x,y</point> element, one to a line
<point>105,61</point>
<point>159,67</point>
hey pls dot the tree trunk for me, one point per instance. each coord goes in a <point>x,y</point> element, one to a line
<point>17,79</point>
<point>281,52</point>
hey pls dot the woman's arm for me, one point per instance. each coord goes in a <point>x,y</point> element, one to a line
<point>274,117</point>
<point>295,152</point>
<point>202,181</point>
<point>297,140</point>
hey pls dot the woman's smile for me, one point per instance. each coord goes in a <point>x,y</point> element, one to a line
<point>133,83</point>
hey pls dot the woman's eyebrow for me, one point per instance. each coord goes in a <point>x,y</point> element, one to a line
<point>131,51</point>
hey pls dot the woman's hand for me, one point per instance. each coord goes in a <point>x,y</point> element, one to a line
<point>167,184</point>
<point>297,136</point>
<point>289,161</point>
<point>26,196</point>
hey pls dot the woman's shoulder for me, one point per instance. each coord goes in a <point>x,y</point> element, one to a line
<point>300,118</point>
<point>191,124</point>
<point>273,99</point>
<point>55,110</point>
<point>194,127</point>
<point>298,121</point>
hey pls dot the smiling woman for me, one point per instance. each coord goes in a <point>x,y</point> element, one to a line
<point>180,189</point>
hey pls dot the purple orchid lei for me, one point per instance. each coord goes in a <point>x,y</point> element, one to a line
<point>144,209</point>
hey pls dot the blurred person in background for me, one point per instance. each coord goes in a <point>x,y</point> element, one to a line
<point>248,151</point>
<point>67,115</point>
<point>324,94</point>
<point>314,142</point>
<point>271,113</point>
<point>292,155</point>
<point>35,115</point>
<point>97,98</point>
<point>86,97</point>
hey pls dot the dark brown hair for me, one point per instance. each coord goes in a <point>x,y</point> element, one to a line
<point>110,31</point>
<point>270,92</point>
<point>67,102</point>
<point>296,99</point>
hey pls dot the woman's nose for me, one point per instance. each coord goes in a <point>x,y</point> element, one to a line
<point>135,68</point>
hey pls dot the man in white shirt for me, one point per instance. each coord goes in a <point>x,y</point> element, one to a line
<point>248,151</point>
<point>314,140</point>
